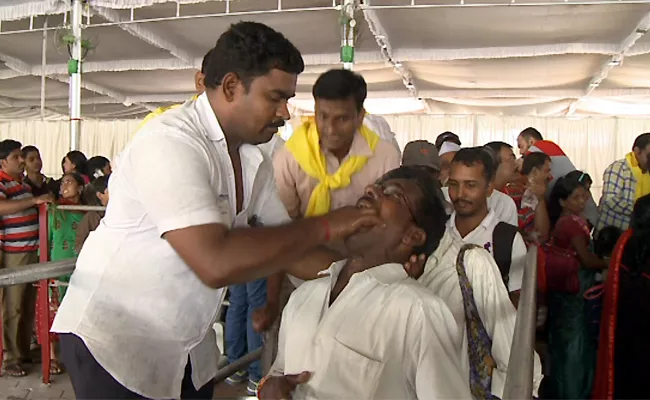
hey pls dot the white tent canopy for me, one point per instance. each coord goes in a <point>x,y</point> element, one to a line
<point>496,57</point>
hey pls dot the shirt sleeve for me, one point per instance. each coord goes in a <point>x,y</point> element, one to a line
<point>284,168</point>
<point>173,180</point>
<point>435,354</point>
<point>509,211</point>
<point>498,315</point>
<point>517,264</point>
<point>618,188</point>
<point>272,211</point>
<point>278,367</point>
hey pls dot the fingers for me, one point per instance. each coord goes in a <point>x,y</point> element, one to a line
<point>296,380</point>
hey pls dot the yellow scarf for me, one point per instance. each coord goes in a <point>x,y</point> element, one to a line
<point>161,110</point>
<point>304,145</point>
<point>642,180</point>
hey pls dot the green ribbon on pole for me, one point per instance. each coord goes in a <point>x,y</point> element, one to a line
<point>347,54</point>
<point>73,66</point>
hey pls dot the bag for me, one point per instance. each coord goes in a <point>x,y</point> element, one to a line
<point>561,269</point>
<point>503,238</point>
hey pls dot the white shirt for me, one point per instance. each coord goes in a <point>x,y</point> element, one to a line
<point>385,336</point>
<point>137,306</point>
<point>491,298</point>
<point>380,126</point>
<point>503,206</point>
<point>483,236</point>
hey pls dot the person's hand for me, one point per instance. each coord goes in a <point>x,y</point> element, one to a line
<point>264,317</point>
<point>281,387</point>
<point>346,221</point>
<point>537,187</point>
<point>414,267</point>
<point>44,199</point>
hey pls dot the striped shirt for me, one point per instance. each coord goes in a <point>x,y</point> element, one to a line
<point>18,231</point>
<point>619,191</point>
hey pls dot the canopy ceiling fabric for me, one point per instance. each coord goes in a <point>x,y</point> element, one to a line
<point>499,57</point>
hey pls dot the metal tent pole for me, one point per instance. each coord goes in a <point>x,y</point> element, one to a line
<point>347,33</point>
<point>74,69</point>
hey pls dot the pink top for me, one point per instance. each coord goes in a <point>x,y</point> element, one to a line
<point>295,186</point>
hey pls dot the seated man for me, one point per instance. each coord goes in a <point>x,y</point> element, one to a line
<point>367,330</point>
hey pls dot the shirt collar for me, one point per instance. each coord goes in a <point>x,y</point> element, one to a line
<point>9,177</point>
<point>385,274</point>
<point>209,119</point>
<point>484,225</point>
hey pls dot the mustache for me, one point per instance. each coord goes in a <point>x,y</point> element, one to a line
<point>462,202</point>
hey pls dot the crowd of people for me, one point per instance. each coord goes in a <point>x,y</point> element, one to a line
<point>392,274</point>
<point>23,187</point>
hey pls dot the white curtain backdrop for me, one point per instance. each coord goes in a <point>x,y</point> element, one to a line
<point>591,143</point>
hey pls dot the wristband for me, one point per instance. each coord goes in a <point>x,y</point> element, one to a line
<point>259,385</point>
<point>326,225</point>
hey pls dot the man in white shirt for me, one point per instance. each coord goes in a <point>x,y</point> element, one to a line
<point>471,181</point>
<point>137,318</point>
<point>367,330</point>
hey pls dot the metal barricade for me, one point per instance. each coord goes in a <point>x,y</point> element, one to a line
<point>519,379</point>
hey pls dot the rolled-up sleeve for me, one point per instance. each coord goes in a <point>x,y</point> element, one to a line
<point>173,179</point>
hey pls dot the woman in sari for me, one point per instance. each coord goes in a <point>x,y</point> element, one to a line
<point>623,364</point>
<point>572,351</point>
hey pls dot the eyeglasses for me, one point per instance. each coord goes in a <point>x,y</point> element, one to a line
<point>397,193</point>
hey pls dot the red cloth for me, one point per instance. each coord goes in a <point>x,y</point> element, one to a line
<point>549,148</point>
<point>566,228</point>
<point>604,379</point>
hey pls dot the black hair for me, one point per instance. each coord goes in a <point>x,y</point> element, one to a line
<point>250,50</point>
<point>447,137</point>
<point>430,214</point>
<point>341,84</point>
<point>496,147</point>
<point>564,187</point>
<point>77,177</point>
<point>8,146</point>
<point>99,185</point>
<point>605,241</point>
<point>531,133</point>
<point>536,159</point>
<point>30,149</point>
<point>470,156</point>
<point>96,163</point>
<point>79,160</point>
<point>640,224</point>
<point>206,59</point>
<point>642,141</point>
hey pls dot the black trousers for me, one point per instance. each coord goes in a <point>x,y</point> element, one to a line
<point>91,381</point>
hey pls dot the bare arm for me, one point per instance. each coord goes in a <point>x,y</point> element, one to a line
<point>8,207</point>
<point>542,221</point>
<point>587,258</point>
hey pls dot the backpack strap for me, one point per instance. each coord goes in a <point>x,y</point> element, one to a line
<point>503,238</point>
<point>479,343</point>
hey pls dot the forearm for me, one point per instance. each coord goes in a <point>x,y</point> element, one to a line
<point>542,221</point>
<point>246,254</point>
<point>8,207</point>
<point>273,288</point>
<point>312,262</point>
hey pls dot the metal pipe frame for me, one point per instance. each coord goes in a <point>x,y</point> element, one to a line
<point>36,272</point>
<point>75,75</point>
<point>81,208</point>
<point>238,365</point>
<point>519,378</point>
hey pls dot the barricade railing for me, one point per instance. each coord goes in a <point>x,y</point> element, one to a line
<point>519,379</point>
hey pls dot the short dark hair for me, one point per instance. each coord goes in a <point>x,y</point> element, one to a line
<point>563,188</point>
<point>496,147</point>
<point>431,213</point>
<point>30,149</point>
<point>533,160</point>
<point>7,146</point>
<point>531,133</point>
<point>96,163</point>
<point>79,160</point>
<point>470,156</point>
<point>642,141</point>
<point>206,59</point>
<point>341,84</point>
<point>447,137</point>
<point>250,50</point>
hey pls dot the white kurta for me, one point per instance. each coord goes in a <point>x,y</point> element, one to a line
<point>491,298</point>
<point>385,337</point>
